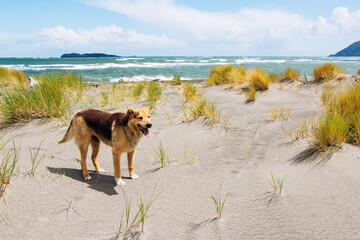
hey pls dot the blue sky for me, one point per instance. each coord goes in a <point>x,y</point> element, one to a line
<point>48,28</point>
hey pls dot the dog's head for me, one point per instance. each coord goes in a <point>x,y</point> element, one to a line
<point>140,120</point>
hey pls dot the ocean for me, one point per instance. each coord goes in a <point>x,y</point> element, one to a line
<point>164,68</point>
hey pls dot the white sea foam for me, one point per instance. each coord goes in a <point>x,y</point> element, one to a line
<point>126,59</point>
<point>176,60</point>
<point>258,60</point>
<point>139,78</point>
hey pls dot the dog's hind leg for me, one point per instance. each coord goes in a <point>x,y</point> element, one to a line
<point>95,145</point>
<point>83,152</point>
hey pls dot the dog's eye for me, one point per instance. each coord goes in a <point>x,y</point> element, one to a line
<point>140,118</point>
<point>148,116</point>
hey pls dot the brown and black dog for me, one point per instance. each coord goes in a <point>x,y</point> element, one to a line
<point>121,131</point>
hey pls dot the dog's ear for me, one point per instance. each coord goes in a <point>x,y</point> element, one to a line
<point>130,112</point>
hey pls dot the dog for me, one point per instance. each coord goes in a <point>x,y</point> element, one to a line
<point>121,131</point>
<point>32,82</point>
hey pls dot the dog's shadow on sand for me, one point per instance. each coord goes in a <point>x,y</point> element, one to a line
<point>100,182</point>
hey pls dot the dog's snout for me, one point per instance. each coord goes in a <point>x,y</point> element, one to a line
<point>148,125</point>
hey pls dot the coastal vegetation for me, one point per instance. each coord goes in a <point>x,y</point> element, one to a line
<point>290,74</point>
<point>51,98</point>
<point>327,71</point>
<point>11,78</point>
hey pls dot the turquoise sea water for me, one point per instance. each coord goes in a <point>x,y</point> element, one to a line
<point>163,68</point>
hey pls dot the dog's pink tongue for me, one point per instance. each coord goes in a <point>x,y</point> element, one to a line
<point>147,133</point>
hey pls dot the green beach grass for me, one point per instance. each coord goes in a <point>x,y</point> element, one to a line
<point>49,99</point>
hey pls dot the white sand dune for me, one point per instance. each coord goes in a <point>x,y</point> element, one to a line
<point>320,198</point>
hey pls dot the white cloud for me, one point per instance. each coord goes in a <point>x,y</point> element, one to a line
<point>342,22</point>
<point>247,30</point>
<point>244,25</point>
<point>63,38</point>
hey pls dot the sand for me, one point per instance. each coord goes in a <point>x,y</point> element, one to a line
<point>320,199</point>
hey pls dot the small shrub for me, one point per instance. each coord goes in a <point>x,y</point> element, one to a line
<point>290,74</point>
<point>330,131</point>
<point>51,98</point>
<point>237,75</point>
<point>138,89</point>
<point>250,94</point>
<point>258,79</point>
<point>189,91</point>
<point>154,92</point>
<point>176,80</point>
<point>12,78</point>
<point>327,71</point>
<point>219,75</point>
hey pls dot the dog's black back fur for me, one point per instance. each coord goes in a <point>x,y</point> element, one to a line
<point>101,122</point>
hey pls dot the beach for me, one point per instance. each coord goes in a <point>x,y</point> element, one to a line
<point>238,159</point>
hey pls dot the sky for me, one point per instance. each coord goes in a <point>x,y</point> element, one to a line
<point>49,28</point>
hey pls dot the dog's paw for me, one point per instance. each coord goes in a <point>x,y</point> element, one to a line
<point>88,178</point>
<point>134,176</point>
<point>100,170</point>
<point>119,181</point>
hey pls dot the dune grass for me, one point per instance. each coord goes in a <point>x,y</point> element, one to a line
<point>176,80</point>
<point>327,71</point>
<point>161,154</point>
<point>258,79</point>
<point>7,166</point>
<point>51,98</point>
<point>128,227</point>
<point>340,120</point>
<point>138,89</point>
<point>280,113</point>
<point>154,91</point>
<point>237,75</point>
<point>12,78</point>
<point>219,75</point>
<point>290,74</point>
<point>189,91</point>
<point>202,107</point>
<point>219,202</point>
<point>277,184</point>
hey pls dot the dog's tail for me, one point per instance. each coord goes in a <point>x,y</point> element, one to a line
<point>68,135</point>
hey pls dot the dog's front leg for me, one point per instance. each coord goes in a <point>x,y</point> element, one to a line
<point>131,156</point>
<point>117,168</point>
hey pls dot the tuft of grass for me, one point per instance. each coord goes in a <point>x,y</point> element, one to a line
<point>219,203</point>
<point>144,206</point>
<point>138,89</point>
<point>330,131</point>
<point>203,107</point>
<point>219,75</point>
<point>161,154</point>
<point>250,94</point>
<point>277,184</point>
<point>12,78</point>
<point>258,79</point>
<point>131,224</point>
<point>154,92</point>
<point>290,74</point>
<point>237,75</point>
<point>327,71</point>
<point>189,91</point>
<point>358,72</point>
<point>49,99</point>
<point>279,113</point>
<point>176,80</point>
<point>340,120</point>
<point>7,166</point>
<point>35,159</point>
<point>68,208</point>
<point>274,77</point>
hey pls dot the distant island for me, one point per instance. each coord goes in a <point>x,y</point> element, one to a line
<point>86,55</point>
<point>351,51</point>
